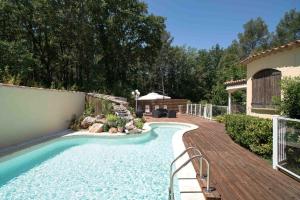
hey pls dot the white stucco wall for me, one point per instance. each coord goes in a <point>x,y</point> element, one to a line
<point>288,62</point>
<point>27,113</point>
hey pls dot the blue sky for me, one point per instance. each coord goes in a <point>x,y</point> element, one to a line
<point>203,23</point>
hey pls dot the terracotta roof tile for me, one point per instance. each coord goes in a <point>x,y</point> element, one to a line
<point>235,82</point>
<point>271,51</point>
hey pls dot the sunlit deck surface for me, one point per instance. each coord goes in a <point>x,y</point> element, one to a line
<point>236,172</point>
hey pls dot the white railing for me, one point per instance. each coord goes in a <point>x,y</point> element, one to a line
<point>286,145</point>
<point>200,110</point>
<point>219,110</point>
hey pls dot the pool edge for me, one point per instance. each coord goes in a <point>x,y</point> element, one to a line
<point>189,187</point>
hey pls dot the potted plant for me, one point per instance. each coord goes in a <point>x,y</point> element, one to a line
<point>121,122</point>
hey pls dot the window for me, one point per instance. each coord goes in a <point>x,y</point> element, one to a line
<point>265,86</point>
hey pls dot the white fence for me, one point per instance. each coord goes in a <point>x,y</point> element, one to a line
<point>219,110</point>
<point>286,145</point>
<point>207,111</point>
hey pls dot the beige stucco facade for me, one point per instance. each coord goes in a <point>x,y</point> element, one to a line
<point>27,113</point>
<point>287,61</point>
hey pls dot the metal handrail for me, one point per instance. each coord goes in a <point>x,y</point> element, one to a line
<point>198,156</point>
<point>208,189</point>
<point>189,148</point>
<point>171,192</point>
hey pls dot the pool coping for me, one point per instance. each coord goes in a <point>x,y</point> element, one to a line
<point>189,187</point>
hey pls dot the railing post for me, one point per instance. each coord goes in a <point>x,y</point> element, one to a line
<point>187,109</point>
<point>208,189</point>
<point>200,110</point>
<point>210,114</point>
<point>193,109</point>
<point>200,168</point>
<point>275,142</point>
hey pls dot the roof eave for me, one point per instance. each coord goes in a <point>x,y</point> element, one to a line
<point>268,52</point>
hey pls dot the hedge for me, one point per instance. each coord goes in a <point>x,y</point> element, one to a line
<point>290,104</point>
<point>251,132</point>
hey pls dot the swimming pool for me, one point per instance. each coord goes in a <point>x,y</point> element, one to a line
<point>82,167</point>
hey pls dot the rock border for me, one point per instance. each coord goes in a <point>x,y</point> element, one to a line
<point>146,129</point>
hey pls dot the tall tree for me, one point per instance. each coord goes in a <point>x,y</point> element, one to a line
<point>228,69</point>
<point>288,28</point>
<point>255,36</point>
<point>86,45</point>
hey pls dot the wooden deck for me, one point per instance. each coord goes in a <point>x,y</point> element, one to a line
<point>236,172</point>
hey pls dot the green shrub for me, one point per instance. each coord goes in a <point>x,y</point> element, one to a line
<point>76,122</point>
<point>290,104</point>
<point>292,137</point>
<point>111,120</point>
<point>139,123</point>
<point>106,107</point>
<point>105,127</point>
<point>131,110</point>
<point>89,110</point>
<point>220,118</point>
<point>121,122</point>
<point>143,119</point>
<point>251,132</point>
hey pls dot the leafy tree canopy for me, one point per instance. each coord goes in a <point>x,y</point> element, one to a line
<point>115,46</point>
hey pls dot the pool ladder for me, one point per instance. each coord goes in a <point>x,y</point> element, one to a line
<point>196,154</point>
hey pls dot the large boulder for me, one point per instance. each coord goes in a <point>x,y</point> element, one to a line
<point>113,130</point>
<point>96,128</point>
<point>100,118</point>
<point>135,131</point>
<point>102,121</point>
<point>87,122</point>
<point>129,126</point>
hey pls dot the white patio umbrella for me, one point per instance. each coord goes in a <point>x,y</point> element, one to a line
<point>153,96</point>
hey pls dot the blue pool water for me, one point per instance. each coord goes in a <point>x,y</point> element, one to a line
<point>93,168</point>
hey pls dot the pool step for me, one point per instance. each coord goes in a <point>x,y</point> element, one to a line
<point>189,189</point>
<point>192,196</point>
<point>187,178</point>
<point>187,185</point>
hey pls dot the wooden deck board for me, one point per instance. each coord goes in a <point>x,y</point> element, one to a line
<point>236,172</point>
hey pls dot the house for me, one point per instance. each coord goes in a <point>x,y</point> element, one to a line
<point>265,70</point>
